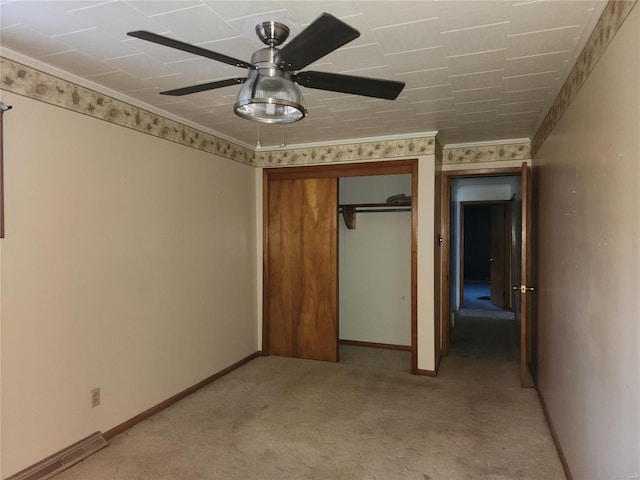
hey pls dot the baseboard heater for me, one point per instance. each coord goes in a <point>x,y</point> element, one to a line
<point>62,460</point>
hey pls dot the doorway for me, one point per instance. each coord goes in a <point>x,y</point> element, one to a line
<point>481,320</point>
<point>374,271</point>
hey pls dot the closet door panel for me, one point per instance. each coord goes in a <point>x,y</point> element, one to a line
<point>302,277</point>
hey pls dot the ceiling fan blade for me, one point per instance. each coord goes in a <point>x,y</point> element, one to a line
<point>186,47</point>
<point>335,82</point>
<point>203,87</point>
<point>324,35</point>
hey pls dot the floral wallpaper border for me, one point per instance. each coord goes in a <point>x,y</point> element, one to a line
<point>345,153</point>
<point>23,80</point>
<point>610,21</point>
<point>492,153</point>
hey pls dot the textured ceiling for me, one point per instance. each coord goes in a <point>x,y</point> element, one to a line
<point>475,71</point>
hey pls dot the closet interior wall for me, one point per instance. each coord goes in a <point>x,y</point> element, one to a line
<point>374,273</point>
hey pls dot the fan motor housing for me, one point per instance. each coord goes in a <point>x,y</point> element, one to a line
<point>272,33</point>
<point>263,58</point>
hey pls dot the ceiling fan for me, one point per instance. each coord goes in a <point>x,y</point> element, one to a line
<point>269,93</point>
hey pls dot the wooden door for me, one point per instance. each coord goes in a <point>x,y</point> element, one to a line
<point>498,254</point>
<point>527,323</point>
<point>302,273</point>
<point>437,259</point>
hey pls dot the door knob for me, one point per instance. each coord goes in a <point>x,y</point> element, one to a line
<point>523,288</point>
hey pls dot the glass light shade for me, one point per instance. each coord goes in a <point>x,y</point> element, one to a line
<point>270,99</point>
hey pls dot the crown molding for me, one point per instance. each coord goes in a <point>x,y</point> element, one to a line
<point>494,143</point>
<point>350,141</point>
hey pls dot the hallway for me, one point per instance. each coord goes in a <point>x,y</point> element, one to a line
<point>482,330</point>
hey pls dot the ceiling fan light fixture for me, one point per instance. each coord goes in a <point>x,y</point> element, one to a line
<point>269,96</point>
<point>269,93</point>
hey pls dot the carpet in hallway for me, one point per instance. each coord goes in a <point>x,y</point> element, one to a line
<point>486,334</point>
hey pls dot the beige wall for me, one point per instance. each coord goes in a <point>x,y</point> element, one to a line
<point>129,264</point>
<point>589,267</point>
<point>426,335</point>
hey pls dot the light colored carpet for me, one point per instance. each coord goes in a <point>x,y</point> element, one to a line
<point>366,418</point>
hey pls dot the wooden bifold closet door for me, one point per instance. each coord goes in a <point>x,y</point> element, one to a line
<point>302,268</point>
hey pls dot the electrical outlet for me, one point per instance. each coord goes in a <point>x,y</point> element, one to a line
<point>95,397</point>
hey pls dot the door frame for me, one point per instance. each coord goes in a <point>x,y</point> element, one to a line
<point>364,169</point>
<point>445,228</point>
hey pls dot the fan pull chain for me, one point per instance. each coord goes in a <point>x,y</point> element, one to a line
<point>284,141</point>
<point>259,145</point>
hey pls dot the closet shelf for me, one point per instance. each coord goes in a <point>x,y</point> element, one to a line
<point>349,210</point>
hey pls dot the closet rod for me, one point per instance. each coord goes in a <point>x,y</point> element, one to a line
<point>371,210</point>
<point>349,211</point>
